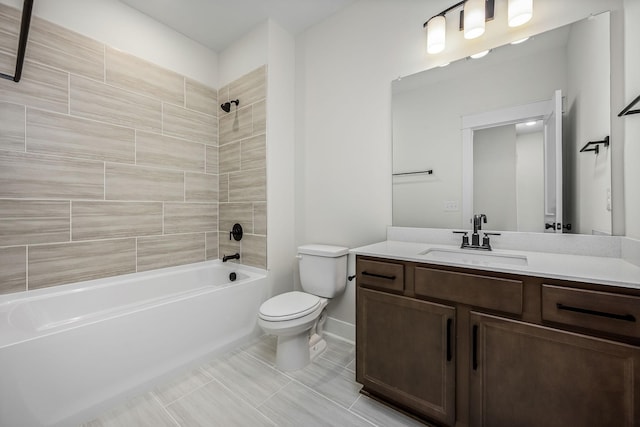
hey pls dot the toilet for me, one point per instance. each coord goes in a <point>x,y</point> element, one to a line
<point>297,318</point>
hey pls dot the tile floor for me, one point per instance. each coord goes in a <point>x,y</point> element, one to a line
<point>243,388</point>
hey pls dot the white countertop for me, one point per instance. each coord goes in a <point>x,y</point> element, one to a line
<point>613,271</point>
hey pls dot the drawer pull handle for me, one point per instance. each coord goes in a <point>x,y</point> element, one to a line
<point>379,276</point>
<point>449,355</point>
<point>475,348</point>
<point>626,317</point>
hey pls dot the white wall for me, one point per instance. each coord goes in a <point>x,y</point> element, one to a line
<point>494,176</point>
<point>632,123</point>
<point>589,111</point>
<point>244,55</point>
<point>344,67</point>
<point>530,181</point>
<point>122,27</point>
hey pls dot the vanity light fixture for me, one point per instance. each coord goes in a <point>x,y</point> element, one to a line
<point>436,34</point>
<point>480,54</point>
<point>473,17</point>
<point>519,12</point>
<point>520,41</point>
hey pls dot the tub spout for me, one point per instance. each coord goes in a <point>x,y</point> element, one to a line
<point>226,258</point>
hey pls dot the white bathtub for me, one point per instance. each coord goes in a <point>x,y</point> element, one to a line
<point>69,352</point>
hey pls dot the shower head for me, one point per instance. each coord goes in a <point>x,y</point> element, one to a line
<point>227,105</point>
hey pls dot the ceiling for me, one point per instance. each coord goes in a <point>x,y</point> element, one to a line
<point>218,23</point>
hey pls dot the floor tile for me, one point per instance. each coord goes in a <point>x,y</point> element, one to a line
<point>142,411</point>
<point>215,405</point>
<point>331,380</point>
<point>382,415</point>
<point>338,350</point>
<point>264,349</point>
<point>181,386</point>
<point>295,405</point>
<point>247,376</point>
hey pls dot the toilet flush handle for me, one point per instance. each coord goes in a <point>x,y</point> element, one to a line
<point>298,256</point>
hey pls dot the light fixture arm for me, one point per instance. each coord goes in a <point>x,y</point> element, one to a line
<point>444,12</point>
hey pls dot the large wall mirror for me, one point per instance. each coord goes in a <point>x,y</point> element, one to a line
<point>477,136</point>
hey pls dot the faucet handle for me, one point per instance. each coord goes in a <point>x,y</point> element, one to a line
<point>465,238</point>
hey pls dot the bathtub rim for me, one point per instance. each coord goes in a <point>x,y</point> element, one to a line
<point>7,299</point>
<point>15,336</point>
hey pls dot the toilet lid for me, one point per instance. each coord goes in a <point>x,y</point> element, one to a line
<point>287,306</point>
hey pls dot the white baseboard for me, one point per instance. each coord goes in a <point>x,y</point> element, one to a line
<point>341,328</point>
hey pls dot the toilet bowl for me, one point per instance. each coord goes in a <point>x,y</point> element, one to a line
<point>297,318</point>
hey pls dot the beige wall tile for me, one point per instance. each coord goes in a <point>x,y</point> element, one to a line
<point>212,159</point>
<point>229,158</point>
<point>13,269</point>
<point>12,127</point>
<point>260,218</point>
<point>254,251</point>
<point>259,117</point>
<point>199,187</point>
<point>153,149</point>
<point>9,20</point>
<point>134,74</point>
<point>231,213</point>
<point>228,247</point>
<point>190,217</point>
<point>223,188</point>
<point>235,126</point>
<point>223,96</point>
<point>212,246</point>
<point>201,98</point>
<point>98,101</point>
<point>26,175</point>
<point>108,220</point>
<point>61,48</point>
<point>167,251</point>
<point>7,63</point>
<point>139,183</point>
<point>63,135</point>
<point>254,152</point>
<point>57,264</point>
<point>188,124</point>
<point>24,222</point>
<point>40,87</point>
<point>248,186</point>
<point>250,88</point>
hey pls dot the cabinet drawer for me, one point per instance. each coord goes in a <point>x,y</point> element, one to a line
<point>379,274</point>
<point>472,289</point>
<point>598,311</point>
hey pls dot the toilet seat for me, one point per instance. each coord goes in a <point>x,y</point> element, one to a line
<point>288,306</point>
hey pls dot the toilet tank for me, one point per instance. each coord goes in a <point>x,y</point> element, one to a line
<point>323,269</point>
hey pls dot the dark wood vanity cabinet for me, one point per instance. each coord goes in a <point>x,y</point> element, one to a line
<point>530,376</point>
<point>463,347</point>
<point>405,345</point>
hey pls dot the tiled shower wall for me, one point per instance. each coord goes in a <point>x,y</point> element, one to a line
<point>109,164</point>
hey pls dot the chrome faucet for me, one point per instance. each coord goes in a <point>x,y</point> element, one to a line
<point>478,219</point>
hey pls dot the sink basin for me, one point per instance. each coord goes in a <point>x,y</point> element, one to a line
<point>471,256</point>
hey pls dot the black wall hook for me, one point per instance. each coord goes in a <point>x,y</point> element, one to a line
<point>227,105</point>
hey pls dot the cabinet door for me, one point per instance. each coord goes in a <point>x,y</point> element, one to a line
<point>405,352</point>
<point>525,375</point>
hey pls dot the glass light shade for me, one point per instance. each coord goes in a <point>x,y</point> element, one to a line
<point>436,34</point>
<point>519,12</point>
<point>480,54</point>
<point>474,14</point>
